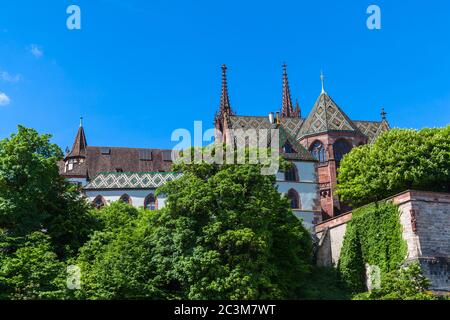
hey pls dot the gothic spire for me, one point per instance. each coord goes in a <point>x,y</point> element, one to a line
<point>297,111</point>
<point>286,105</point>
<point>225,106</point>
<point>80,143</point>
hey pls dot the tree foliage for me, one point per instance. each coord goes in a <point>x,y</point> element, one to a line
<point>225,233</point>
<point>399,159</point>
<point>30,269</point>
<point>43,219</point>
<point>116,263</point>
<point>34,197</point>
<point>401,284</point>
<point>373,237</point>
<point>233,234</point>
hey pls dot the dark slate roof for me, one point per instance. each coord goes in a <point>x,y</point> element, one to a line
<point>131,180</point>
<point>111,159</point>
<point>79,170</point>
<point>80,144</point>
<point>326,116</point>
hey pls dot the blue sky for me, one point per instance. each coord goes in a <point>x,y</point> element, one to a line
<point>137,70</point>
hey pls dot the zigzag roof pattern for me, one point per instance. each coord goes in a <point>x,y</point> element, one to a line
<point>288,131</point>
<point>326,116</point>
<point>372,129</point>
<point>131,180</point>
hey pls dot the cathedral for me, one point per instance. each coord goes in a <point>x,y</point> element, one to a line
<point>326,134</point>
<point>315,145</point>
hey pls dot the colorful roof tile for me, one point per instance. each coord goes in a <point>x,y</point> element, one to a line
<point>131,180</point>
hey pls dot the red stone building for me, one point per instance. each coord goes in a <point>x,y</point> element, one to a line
<point>327,133</point>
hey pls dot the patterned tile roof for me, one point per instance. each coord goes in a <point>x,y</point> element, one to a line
<point>300,151</point>
<point>131,180</point>
<point>288,131</point>
<point>250,122</point>
<point>326,116</point>
<point>372,129</point>
<point>292,125</point>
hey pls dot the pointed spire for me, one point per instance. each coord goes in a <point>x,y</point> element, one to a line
<point>80,143</point>
<point>297,111</point>
<point>286,106</point>
<point>322,80</point>
<point>225,106</point>
<point>383,114</point>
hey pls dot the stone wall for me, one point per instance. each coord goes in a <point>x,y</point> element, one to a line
<point>330,235</point>
<point>425,217</point>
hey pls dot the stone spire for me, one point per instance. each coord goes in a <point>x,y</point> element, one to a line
<point>222,117</point>
<point>297,111</point>
<point>286,105</point>
<point>80,143</point>
<point>225,107</point>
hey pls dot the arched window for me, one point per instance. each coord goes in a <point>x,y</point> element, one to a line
<point>341,147</point>
<point>318,151</point>
<point>125,198</point>
<point>291,173</point>
<point>99,202</point>
<point>150,203</point>
<point>294,198</point>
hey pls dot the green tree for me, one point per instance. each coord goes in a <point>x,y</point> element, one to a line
<point>116,263</point>
<point>29,268</point>
<point>401,284</point>
<point>34,197</point>
<point>399,159</point>
<point>225,233</point>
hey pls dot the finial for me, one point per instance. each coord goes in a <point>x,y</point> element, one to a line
<point>81,121</point>
<point>297,109</point>
<point>383,114</point>
<point>322,80</point>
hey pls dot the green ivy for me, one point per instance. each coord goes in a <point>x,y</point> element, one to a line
<point>373,236</point>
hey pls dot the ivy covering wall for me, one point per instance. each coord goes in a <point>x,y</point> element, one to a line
<point>373,236</point>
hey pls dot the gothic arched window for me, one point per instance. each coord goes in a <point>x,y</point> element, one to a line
<point>291,173</point>
<point>318,151</point>
<point>294,199</point>
<point>98,202</point>
<point>150,202</point>
<point>125,198</point>
<point>341,148</point>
